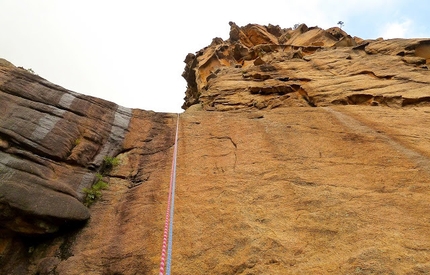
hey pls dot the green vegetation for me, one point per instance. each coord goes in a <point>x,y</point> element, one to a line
<point>95,192</point>
<point>77,141</point>
<point>109,163</point>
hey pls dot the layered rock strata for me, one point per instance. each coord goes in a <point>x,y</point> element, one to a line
<point>266,67</point>
<point>53,143</point>
<point>337,183</point>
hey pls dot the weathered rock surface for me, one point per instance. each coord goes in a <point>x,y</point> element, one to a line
<point>51,140</point>
<point>332,190</point>
<point>339,188</point>
<point>269,67</point>
<point>52,144</point>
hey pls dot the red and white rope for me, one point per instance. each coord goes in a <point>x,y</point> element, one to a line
<point>166,251</point>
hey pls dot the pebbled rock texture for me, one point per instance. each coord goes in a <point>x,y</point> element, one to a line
<point>301,151</point>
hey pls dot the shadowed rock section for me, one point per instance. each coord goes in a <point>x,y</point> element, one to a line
<point>306,67</point>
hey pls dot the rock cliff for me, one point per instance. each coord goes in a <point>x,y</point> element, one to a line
<point>54,144</point>
<point>269,67</point>
<point>301,151</point>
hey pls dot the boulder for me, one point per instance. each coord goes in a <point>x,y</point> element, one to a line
<point>52,141</point>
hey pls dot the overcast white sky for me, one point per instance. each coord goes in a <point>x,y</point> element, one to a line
<point>132,52</point>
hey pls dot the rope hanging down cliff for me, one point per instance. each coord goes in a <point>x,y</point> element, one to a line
<point>168,225</point>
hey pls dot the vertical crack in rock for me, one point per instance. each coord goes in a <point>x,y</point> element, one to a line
<point>234,145</point>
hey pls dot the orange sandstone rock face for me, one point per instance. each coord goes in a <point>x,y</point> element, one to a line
<point>125,231</point>
<point>337,183</point>
<point>332,190</point>
<point>269,67</point>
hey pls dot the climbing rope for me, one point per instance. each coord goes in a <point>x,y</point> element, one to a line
<point>168,225</point>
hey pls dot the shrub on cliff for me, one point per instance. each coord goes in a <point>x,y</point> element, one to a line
<point>95,192</point>
<point>108,164</point>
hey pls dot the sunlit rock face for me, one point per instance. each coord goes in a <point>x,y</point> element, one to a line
<point>266,67</point>
<point>301,151</point>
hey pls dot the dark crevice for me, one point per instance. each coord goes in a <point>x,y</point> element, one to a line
<point>136,180</point>
<point>358,99</point>
<point>415,101</point>
<point>280,90</point>
<point>375,100</point>
<point>48,112</point>
<point>411,80</point>
<point>361,47</point>
<point>305,96</point>
<point>27,155</point>
<point>226,137</point>
<point>301,79</point>
<point>370,73</point>
<point>420,43</point>
<point>283,79</point>
<point>124,151</point>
